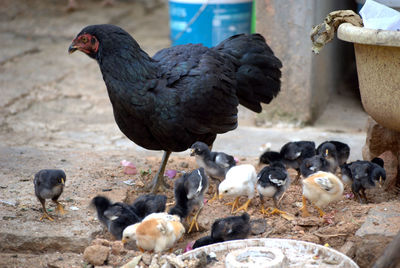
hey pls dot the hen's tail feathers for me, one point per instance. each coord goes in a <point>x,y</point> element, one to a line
<point>258,73</point>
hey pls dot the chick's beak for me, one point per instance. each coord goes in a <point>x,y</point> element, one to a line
<point>192,152</point>
<point>62,181</point>
<point>326,152</point>
<point>124,241</point>
<point>220,196</point>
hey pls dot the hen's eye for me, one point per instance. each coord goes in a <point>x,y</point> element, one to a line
<point>84,39</point>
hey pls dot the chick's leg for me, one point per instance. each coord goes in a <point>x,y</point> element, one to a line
<point>303,209</point>
<point>59,208</point>
<point>234,204</point>
<point>244,206</point>
<point>45,215</point>
<point>320,211</point>
<point>216,192</point>
<point>194,220</point>
<point>159,178</point>
<point>275,210</point>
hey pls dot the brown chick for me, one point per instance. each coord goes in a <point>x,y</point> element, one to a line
<point>154,234</point>
<point>321,188</point>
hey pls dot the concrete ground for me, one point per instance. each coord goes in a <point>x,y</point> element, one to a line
<point>55,112</point>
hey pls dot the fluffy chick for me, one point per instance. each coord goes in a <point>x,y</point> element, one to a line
<point>49,184</point>
<point>215,164</point>
<point>189,194</point>
<point>291,154</point>
<point>314,164</point>
<point>225,229</point>
<point>272,182</point>
<point>335,152</point>
<point>321,188</point>
<point>115,216</point>
<point>149,203</point>
<point>154,233</point>
<point>239,180</point>
<point>362,175</point>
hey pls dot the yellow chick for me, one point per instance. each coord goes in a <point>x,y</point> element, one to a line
<point>154,233</point>
<point>321,188</point>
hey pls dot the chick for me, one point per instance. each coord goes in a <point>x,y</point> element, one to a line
<point>115,216</point>
<point>189,194</point>
<point>215,164</point>
<point>239,180</point>
<point>291,154</point>
<point>362,175</point>
<point>335,152</point>
<point>225,229</point>
<point>49,184</point>
<point>154,233</point>
<point>314,164</point>
<point>149,203</point>
<point>272,181</point>
<point>321,188</point>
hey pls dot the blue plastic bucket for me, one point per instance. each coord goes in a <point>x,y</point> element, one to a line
<point>208,22</point>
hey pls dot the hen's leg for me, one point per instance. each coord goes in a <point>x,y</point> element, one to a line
<point>159,178</point>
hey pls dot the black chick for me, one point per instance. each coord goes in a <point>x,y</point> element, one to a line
<point>115,216</point>
<point>272,181</point>
<point>363,175</point>
<point>49,184</point>
<point>336,152</point>
<point>226,229</point>
<point>314,164</point>
<point>149,203</point>
<point>215,164</point>
<point>189,194</point>
<point>291,154</point>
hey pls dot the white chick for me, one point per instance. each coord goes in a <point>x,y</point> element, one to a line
<point>321,188</point>
<point>155,233</point>
<point>239,180</point>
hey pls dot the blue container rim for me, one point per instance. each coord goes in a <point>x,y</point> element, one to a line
<point>211,1</point>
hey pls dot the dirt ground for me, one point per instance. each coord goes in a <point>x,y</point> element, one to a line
<point>55,113</point>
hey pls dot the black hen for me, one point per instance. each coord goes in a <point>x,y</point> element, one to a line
<point>149,203</point>
<point>115,216</point>
<point>183,94</point>
<point>215,164</point>
<point>363,175</point>
<point>189,194</point>
<point>226,229</point>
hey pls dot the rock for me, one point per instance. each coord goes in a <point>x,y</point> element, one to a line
<point>258,226</point>
<point>184,165</point>
<point>310,238</point>
<point>309,221</point>
<point>391,165</point>
<point>380,226</point>
<point>146,258</point>
<point>348,249</point>
<point>102,242</point>
<point>117,248</point>
<point>133,263</point>
<point>96,254</point>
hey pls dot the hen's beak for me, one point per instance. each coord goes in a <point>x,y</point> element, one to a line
<point>72,48</point>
